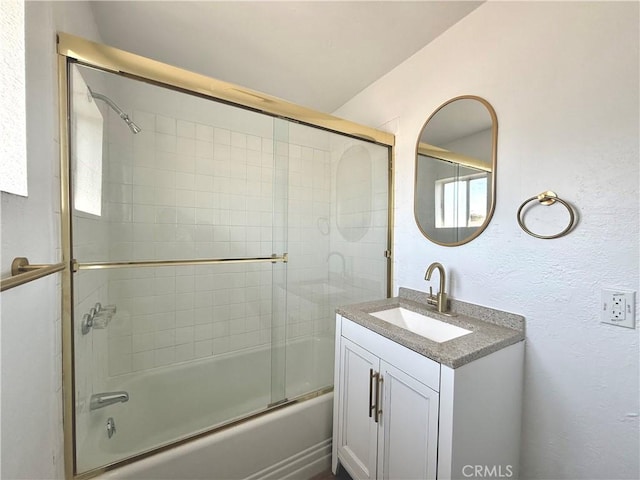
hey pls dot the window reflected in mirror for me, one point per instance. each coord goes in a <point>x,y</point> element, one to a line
<point>461,202</point>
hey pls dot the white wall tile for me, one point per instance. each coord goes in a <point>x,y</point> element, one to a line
<point>186,129</point>
<point>142,342</point>
<point>185,181</point>
<point>144,146</point>
<point>145,120</point>
<point>144,214</point>
<point>185,352</point>
<point>185,318</point>
<point>164,338</point>
<point>204,133</point>
<point>164,356</point>
<point>165,143</point>
<point>166,160</point>
<point>143,195</point>
<point>184,335</point>
<point>223,136</point>
<point>203,348</point>
<point>143,360</point>
<point>204,150</point>
<point>165,125</point>
<point>144,176</point>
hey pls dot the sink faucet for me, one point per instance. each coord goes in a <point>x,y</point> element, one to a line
<point>100,400</point>
<point>441,300</point>
<point>343,263</point>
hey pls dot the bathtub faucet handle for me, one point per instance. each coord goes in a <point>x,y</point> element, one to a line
<point>111,309</point>
<point>106,309</point>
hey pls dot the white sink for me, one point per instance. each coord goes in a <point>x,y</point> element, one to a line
<point>421,325</point>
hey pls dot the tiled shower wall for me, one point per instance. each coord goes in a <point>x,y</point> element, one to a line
<point>205,180</point>
<point>198,182</point>
<point>187,190</point>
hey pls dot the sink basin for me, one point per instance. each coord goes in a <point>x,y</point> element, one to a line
<point>422,325</point>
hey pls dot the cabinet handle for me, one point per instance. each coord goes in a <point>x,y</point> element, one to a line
<point>371,405</point>
<point>378,410</point>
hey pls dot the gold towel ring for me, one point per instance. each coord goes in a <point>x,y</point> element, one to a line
<point>547,198</point>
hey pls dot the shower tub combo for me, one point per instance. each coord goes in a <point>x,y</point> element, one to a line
<point>195,350</point>
<point>292,441</point>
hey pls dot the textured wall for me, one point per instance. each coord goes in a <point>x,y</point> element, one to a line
<point>563,79</point>
<point>32,444</point>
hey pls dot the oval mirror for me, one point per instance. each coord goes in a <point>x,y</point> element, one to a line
<point>455,186</point>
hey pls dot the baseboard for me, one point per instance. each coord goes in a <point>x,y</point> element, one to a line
<point>301,466</point>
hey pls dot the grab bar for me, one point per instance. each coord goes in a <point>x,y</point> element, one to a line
<point>22,272</point>
<point>101,400</point>
<point>177,263</point>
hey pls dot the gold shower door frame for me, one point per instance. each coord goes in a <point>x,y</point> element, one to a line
<point>73,49</point>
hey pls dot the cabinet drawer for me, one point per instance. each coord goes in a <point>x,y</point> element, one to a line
<point>418,366</point>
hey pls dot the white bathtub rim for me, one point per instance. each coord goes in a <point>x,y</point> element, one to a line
<point>136,468</point>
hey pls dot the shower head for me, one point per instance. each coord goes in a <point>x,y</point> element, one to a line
<point>132,126</point>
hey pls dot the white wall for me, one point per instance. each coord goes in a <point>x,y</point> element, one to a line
<point>32,444</point>
<point>563,79</point>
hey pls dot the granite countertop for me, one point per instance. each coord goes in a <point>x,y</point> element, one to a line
<point>492,329</point>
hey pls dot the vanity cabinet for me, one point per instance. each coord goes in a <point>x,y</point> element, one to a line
<point>387,407</point>
<point>357,438</point>
<point>400,415</point>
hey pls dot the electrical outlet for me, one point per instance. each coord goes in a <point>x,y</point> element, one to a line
<point>619,308</point>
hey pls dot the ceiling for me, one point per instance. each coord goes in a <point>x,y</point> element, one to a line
<point>318,54</point>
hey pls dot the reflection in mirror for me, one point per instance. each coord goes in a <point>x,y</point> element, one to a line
<point>353,193</point>
<point>455,171</point>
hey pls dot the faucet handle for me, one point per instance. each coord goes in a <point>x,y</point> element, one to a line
<point>431,300</point>
<point>99,308</point>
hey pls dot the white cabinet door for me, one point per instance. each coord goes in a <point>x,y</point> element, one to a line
<point>407,446</point>
<point>357,434</point>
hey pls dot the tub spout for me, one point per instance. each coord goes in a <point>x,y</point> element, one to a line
<point>100,400</point>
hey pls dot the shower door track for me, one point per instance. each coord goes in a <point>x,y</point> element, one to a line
<point>284,258</point>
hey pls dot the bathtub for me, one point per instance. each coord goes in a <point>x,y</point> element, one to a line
<point>293,441</point>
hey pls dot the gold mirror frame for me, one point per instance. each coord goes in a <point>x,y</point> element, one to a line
<point>465,160</point>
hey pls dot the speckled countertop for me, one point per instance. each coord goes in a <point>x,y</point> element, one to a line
<point>492,329</point>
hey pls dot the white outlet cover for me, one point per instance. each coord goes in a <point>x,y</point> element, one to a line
<point>619,307</point>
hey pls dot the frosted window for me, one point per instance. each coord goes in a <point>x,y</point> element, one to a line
<point>13,160</point>
<point>86,148</point>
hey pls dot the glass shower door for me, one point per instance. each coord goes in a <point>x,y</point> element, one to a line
<point>338,241</point>
<point>178,304</point>
<point>212,245</point>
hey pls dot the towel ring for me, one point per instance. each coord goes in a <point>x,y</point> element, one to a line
<point>547,198</point>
